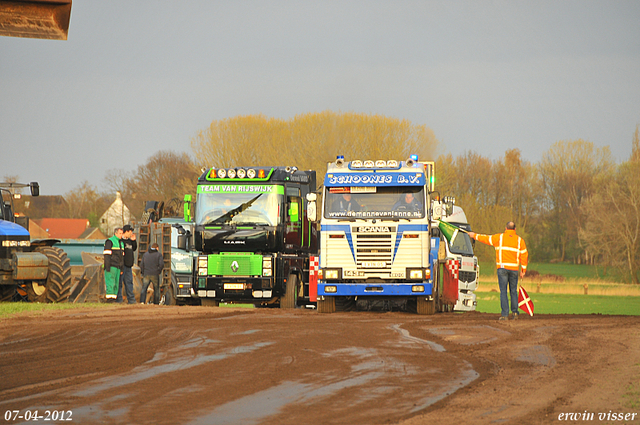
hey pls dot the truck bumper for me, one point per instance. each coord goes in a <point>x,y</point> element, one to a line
<point>374,289</point>
<point>235,289</point>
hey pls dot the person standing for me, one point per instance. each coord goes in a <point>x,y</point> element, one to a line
<point>130,245</point>
<point>113,263</point>
<point>511,261</point>
<point>151,267</point>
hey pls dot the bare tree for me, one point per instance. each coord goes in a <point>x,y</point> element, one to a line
<point>568,171</point>
<point>612,221</point>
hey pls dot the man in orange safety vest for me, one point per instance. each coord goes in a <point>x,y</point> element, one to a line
<point>511,260</point>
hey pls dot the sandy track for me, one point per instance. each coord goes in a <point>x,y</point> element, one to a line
<point>196,365</point>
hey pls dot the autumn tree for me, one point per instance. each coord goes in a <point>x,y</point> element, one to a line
<point>84,201</point>
<point>310,141</point>
<point>568,171</point>
<point>612,221</point>
<point>165,176</point>
<point>491,192</point>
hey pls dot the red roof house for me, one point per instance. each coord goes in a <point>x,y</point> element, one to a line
<point>63,228</point>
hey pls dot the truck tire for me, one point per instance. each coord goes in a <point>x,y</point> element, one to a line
<point>58,285</point>
<point>288,300</point>
<point>168,297</point>
<point>7,292</point>
<point>328,305</point>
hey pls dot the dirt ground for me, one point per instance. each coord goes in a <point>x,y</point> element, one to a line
<point>197,365</point>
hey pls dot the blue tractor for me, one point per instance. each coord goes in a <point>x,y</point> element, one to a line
<point>31,270</point>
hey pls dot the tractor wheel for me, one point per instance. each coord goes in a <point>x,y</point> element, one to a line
<point>328,305</point>
<point>58,285</point>
<point>289,298</point>
<point>7,292</point>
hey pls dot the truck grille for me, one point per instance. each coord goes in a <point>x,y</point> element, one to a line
<point>467,276</point>
<point>374,252</point>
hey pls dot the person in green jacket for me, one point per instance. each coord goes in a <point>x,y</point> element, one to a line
<point>113,263</point>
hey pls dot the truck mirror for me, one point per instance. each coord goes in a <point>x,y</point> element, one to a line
<point>182,241</point>
<point>311,197</point>
<point>35,188</point>
<point>187,207</point>
<point>312,212</point>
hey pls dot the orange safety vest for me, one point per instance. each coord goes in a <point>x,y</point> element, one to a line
<point>511,251</point>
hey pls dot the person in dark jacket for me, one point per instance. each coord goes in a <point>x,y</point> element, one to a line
<point>113,263</point>
<point>151,267</point>
<point>130,245</point>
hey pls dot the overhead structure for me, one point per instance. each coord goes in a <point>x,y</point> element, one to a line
<point>47,19</point>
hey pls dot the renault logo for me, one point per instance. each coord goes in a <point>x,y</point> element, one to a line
<point>235,266</point>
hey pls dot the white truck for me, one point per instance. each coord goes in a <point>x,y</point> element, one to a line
<point>376,249</point>
<point>460,249</point>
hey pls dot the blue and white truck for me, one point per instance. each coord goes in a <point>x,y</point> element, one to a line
<point>376,249</point>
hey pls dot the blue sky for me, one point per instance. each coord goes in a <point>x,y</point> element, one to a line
<point>137,77</point>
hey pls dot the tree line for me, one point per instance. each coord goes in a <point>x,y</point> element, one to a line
<point>575,205</point>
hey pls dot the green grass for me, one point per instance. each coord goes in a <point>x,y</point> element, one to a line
<point>567,270</point>
<point>9,308</point>
<point>489,302</point>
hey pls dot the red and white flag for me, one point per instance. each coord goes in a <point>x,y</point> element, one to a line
<point>524,302</point>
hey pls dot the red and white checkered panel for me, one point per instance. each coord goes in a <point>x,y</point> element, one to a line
<point>454,268</point>
<point>314,266</point>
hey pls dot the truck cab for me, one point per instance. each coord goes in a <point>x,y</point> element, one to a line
<point>254,236</point>
<point>376,249</point>
<point>460,249</point>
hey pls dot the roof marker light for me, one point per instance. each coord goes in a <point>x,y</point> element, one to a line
<point>232,173</point>
<point>356,164</point>
<point>381,164</point>
<point>251,173</point>
<point>368,164</point>
<point>241,173</point>
<point>222,173</point>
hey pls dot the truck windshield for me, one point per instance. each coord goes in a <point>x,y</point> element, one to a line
<point>239,205</point>
<point>462,243</point>
<point>374,202</point>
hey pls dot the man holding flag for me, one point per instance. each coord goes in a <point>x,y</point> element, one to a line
<point>511,257</point>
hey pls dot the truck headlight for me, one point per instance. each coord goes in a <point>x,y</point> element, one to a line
<point>417,288</point>
<point>267,266</point>
<point>415,274</point>
<point>332,289</point>
<point>331,274</point>
<point>202,265</point>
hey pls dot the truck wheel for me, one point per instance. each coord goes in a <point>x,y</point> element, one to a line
<point>424,306</point>
<point>289,298</point>
<point>58,285</point>
<point>168,297</point>
<point>328,305</point>
<point>7,292</point>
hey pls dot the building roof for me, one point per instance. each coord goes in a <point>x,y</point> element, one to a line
<point>63,228</point>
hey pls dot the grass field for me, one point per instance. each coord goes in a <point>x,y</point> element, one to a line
<point>566,270</point>
<point>489,302</point>
<point>9,308</point>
